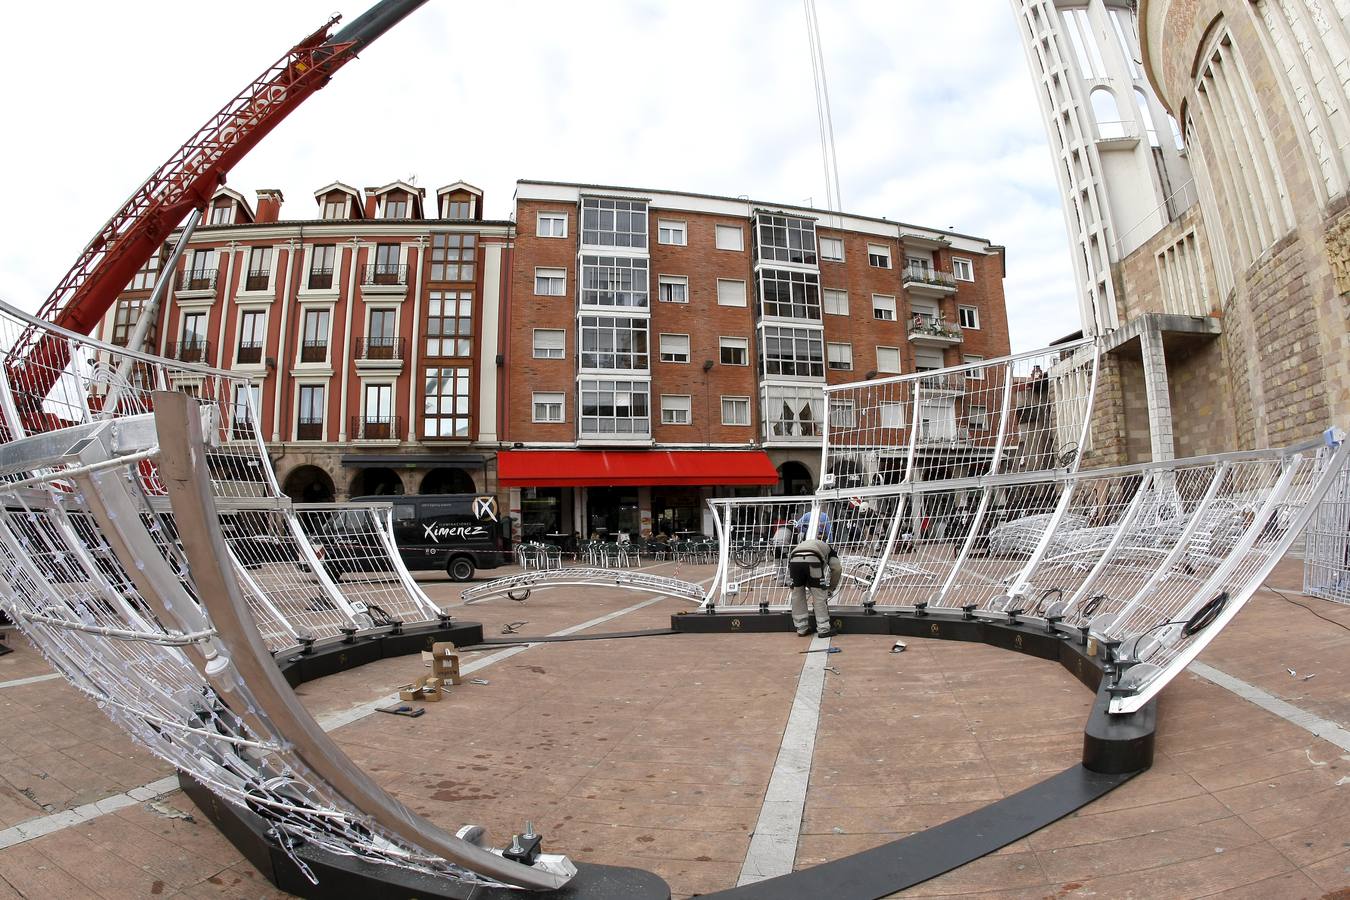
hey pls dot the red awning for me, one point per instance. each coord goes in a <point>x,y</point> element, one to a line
<point>633,468</point>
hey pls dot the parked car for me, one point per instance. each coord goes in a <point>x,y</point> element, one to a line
<point>458,533</point>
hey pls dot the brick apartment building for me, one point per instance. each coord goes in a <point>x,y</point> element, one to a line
<point>569,359</point>
<point>644,324</point>
<point>363,329</point>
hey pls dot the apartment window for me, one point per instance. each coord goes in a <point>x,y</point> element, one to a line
<point>309,425</point>
<point>380,340</point>
<point>734,351</point>
<point>893,415</point>
<point>252,331</point>
<point>615,407</point>
<point>449,323</point>
<point>550,343</point>
<point>124,320</point>
<point>453,257</point>
<point>201,273</point>
<point>835,302</point>
<point>977,373</point>
<point>879,256</point>
<point>839,356</point>
<point>548,407</point>
<point>842,414</point>
<point>335,207</point>
<point>888,360</point>
<point>377,413</point>
<point>926,359</point>
<point>458,209</point>
<point>246,408</point>
<point>793,411</point>
<point>321,260</point>
<point>674,348</point>
<point>551,225</point>
<point>673,288</point>
<point>613,223</point>
<point>918,265</point>
<point>962,270</point>
<point>144,279</point>
<point>314,336</point>
<point>613,342</point>
<point>259,269</point>
<point>729,237</point>
<point>978,416</point>
<point>790,294</point>
<point>795,352</point>
<point>883,307</point>
<point>786,239</point>
<point>968,316</point>
<point>614,281</point>
<point>446,402</point>
<point>387,268</point>
<point>730,292</point>
<point>193,348</point>
<point>222,214</point>
<point>671,233</point>
<point>735,410</point>
<point>550,282</point>
<point>832,249</point>
<point>396,206</point>
<point>674,409</point>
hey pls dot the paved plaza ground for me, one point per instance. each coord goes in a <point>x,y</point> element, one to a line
<point>655,752</point>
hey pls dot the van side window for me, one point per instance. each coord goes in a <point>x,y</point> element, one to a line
<point>435,510</point>
<point>404,512</point>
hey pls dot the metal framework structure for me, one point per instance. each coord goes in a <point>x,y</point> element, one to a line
<point>1149,560</point>
<point>1326,550</point>
<point>519,586</point>
<point>148,553</point>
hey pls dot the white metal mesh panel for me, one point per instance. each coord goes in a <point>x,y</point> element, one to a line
<point>1326,559</point>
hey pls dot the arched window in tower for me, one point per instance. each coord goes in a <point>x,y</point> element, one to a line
<point>1176,133</point>
<point>1107,115</point>
<point>1147,117</point>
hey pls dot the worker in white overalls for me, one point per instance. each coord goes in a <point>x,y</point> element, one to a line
<point>815,572</point>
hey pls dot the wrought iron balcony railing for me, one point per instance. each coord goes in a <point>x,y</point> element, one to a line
<point>376,428</point>
<point>307,429</point>
<point>250,353</point>
<point>258,280</point>
<point>193,351</point>
<point>385,274</point>
<point>380,348</point>
<point>314,351</point>
<point>320,279</point>
<point>197,280</point>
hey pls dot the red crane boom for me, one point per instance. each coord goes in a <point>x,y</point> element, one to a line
<point>185,181</point>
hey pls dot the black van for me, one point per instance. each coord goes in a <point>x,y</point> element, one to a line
<point>455,532</point>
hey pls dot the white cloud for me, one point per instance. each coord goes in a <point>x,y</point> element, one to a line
<point>935,119</point>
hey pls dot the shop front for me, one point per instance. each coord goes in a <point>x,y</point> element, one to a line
<point>636,492</point>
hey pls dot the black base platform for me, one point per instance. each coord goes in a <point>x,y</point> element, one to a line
<point>1111,744</point>
<point>339,655</point>
<point>343,877</point>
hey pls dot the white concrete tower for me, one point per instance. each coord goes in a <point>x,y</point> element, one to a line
<point>1121,173</point>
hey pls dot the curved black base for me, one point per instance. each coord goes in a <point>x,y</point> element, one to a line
<point>912,860</point>
<point>1111,744</point>
<point>339,654</point>
<point>343,876</point>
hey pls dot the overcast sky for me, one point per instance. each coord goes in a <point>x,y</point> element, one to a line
<point>934,114</point>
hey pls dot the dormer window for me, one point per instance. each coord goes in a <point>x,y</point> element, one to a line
<point>335,207</point>
<point>222,213</point>
<point>396,206</point>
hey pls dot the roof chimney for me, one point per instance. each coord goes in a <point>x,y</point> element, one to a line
<point>269,205</point>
